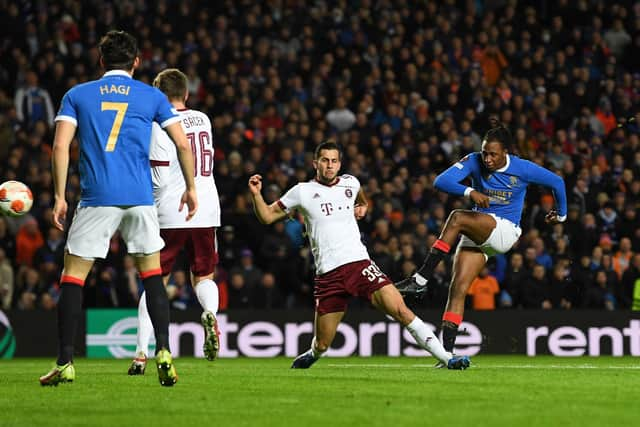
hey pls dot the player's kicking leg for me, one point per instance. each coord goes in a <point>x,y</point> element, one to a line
<point>325,329</point>
<point>467,264</point>
<point>388,300</point>
<point>476,226</point>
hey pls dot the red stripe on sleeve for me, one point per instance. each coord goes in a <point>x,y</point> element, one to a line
<point>65,278</point>
<point>282,206</point>
<point>149,273</point>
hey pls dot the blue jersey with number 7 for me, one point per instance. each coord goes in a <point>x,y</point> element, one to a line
<point>114,116</point>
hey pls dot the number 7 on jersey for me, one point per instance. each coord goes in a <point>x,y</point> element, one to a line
<point>120,108</point>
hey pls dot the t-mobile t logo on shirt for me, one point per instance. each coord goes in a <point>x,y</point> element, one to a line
<point>326,208</point>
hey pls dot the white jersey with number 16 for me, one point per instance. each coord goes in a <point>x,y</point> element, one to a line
<point>168,183</point>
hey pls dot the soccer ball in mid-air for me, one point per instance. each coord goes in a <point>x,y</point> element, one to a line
<point>15,198</point>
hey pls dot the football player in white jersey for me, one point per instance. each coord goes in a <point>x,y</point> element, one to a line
<point>198,236</point>
<point>330,205</point>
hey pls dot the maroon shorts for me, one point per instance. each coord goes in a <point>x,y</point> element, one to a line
<point>333,289</point>
<point>201,246</point>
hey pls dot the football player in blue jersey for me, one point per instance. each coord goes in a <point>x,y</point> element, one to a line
<point>499,183</point>
<point>113,117</point>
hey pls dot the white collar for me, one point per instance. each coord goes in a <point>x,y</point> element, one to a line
<point>506,166</point>
<point>116,73</point>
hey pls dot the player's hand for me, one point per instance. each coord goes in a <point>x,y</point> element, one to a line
<point>481,200</point>
<point>189,198</point>
<point>360,211</point>
<point>552,217</point>
<point>255,184</point>
<point>60,213</point>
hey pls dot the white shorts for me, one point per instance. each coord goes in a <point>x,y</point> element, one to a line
<point>93,226</point>
<point>501,239</point>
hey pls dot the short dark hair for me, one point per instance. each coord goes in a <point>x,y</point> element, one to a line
<point>498,133</point>
<point>172,82</point>
<point>327,145</point>
<point>118,50</point>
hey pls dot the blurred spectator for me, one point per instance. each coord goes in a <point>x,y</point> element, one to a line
<point>239,292</point>
<point>33,103</point>
<point>622,257</point>
<point>7,240</point>
<point>534,289</point>
<point>267,295</point>
<point>628,293</point>
<point>340,117</point>
<point>514,275</point>
<point>28,241</point>
<point>561,290</point>
<point>483,291</point>
<point>250,273</point>
<point>600,294</point>
<point>6,281</point>
<point>179,292</point>
<point>28,288</point>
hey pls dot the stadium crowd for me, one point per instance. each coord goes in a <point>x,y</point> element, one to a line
<point>406,87</point>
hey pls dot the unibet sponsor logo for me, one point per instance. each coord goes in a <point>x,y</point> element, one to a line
<point>7,340</point>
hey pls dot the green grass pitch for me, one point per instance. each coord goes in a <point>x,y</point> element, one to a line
<point>376,391</point>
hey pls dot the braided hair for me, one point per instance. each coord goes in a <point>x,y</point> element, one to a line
<point>498,133</point>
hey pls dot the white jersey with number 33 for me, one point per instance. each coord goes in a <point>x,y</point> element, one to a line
<point>168,183</point>
<point>333,231</point>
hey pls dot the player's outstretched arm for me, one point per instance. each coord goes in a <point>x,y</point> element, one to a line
<point>449,180</point>
<point>266,214</point>
<point>65,131</point>
<point>542,176</point>
<point>185,157</point>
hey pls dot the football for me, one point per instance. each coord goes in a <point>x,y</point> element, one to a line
<point>15,198</point>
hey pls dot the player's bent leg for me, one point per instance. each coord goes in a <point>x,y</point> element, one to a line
<point>389,300</point>
<point>467,264</point>
<point>326,326</point>
<point>475,225</point>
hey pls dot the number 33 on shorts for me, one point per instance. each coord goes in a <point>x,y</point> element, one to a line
<point>372,272</point>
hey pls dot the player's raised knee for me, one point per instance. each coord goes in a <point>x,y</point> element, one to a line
<point>457,217</point>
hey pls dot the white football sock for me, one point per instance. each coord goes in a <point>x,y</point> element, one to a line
<point>426,339</point>
<point>145,327</point>
<point>207,293</point>
<point>316,353</point>
<point>420,280</point>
